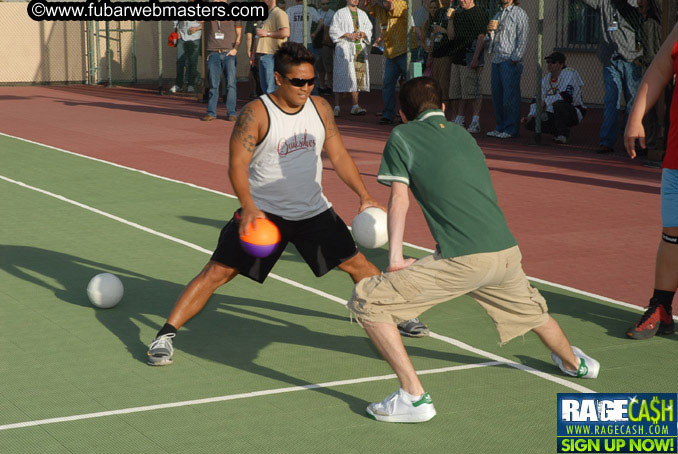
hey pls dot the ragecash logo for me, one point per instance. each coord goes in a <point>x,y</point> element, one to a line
<point>626,422</point>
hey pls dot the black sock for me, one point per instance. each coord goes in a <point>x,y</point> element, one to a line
<point>663,297</point>
<point>167,329</point>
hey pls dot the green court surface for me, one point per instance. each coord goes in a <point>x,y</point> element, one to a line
<point>256,351</point>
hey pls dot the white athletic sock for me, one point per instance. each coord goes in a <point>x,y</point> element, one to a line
<point>476,119</point>
<point>355,106</point>
<point>410,396</point>
<point>460,119</point>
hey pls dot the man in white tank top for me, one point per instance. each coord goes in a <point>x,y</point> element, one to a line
<point>275,168</point>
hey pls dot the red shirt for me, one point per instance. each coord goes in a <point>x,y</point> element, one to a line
<point>671,158</point>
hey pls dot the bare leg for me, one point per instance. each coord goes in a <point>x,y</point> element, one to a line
<point>454,106</point>
<point>198,291</point>
<point>359,267</point>
<point>666,268</point>
<point>477,105</point>
<point>461,107</point>
<point>354,97</point>
<point>554,339</point>
<point>386,339</point>
<point>337,99</point>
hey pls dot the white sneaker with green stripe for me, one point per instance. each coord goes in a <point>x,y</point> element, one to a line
<point>588,367</point>
<point>402,407</point>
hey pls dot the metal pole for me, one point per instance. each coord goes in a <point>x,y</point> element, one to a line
<point>90,52</point>
<point>304,11</point>
<point>159,58</point>
<point>108,55</point>
<point>540,54</point>
<point>409,40</point>
<point>98,50</point>
<point>134,52</point>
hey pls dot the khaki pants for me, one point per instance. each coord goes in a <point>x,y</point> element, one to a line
<point>495,280</point>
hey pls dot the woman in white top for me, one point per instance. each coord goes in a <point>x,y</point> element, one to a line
<point>351,31</point>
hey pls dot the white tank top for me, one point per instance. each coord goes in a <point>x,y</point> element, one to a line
<point>286,167</point>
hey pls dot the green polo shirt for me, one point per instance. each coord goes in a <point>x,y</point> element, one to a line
<point>446,171</point>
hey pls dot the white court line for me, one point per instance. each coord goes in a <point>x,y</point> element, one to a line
<point>210,400</point>
<point>414,246</point>
<point>448,340</point>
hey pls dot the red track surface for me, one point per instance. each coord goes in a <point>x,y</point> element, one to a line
<point>582,220</point>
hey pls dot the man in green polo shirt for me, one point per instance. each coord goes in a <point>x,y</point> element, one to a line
<point>476,253</point>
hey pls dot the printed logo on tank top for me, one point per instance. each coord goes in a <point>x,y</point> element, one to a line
<point>295,143</point>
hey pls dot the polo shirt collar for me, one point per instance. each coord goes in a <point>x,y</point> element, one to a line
<point>430,113</point>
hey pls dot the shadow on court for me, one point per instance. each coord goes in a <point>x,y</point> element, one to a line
<point>230,330</point>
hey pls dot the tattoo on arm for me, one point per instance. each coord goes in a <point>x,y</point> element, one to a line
<point>245,130</point>
<point>331,129</point>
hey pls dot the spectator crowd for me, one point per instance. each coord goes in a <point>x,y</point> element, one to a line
<point>452,41</point>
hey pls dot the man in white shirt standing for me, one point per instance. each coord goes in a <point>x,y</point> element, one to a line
<point>296,15</point>
<point>188,49</point>
<point>561,100</point>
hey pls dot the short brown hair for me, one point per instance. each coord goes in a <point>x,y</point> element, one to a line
<point>419,94</point>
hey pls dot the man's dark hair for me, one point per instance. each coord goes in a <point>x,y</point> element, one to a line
<point>419,94</point>
<point>291,54</point>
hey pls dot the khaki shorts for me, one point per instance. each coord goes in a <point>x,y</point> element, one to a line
<point>495,280</point>
<point>464,82</point>
<point>440,68</point>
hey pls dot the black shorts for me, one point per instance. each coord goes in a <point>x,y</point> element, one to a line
<point>323,241</point>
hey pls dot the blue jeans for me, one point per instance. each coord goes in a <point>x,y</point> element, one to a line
<point>266,73</point>
<point>506,96</point>
<point>216,63</point>
<point>619,76</point>
<point>187,58</point>
<point>393,68</point>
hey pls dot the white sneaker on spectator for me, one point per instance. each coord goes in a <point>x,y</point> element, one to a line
<point>474,128</point>
<point>337,109</point>
<point>560,139</point>
<point>357,110</point>
<point>174,89</point>
<point>190,89</point>
<point>503,135</point>
<point>493,133</point>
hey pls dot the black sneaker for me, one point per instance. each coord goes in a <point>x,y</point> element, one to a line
<point>603,149</point>
<point>655,320</point>
<point>413,328</point>
<point>385,121</point>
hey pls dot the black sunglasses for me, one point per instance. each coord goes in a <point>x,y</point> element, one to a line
<point>301,82</point>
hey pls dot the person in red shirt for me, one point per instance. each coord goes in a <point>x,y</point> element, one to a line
<point>658,318</point>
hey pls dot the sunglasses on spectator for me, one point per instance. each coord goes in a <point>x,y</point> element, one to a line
<point>297,82</point>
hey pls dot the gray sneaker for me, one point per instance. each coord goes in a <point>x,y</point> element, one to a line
<point>413,328</point>
<point>588,367</point>
<point>160,352</point>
